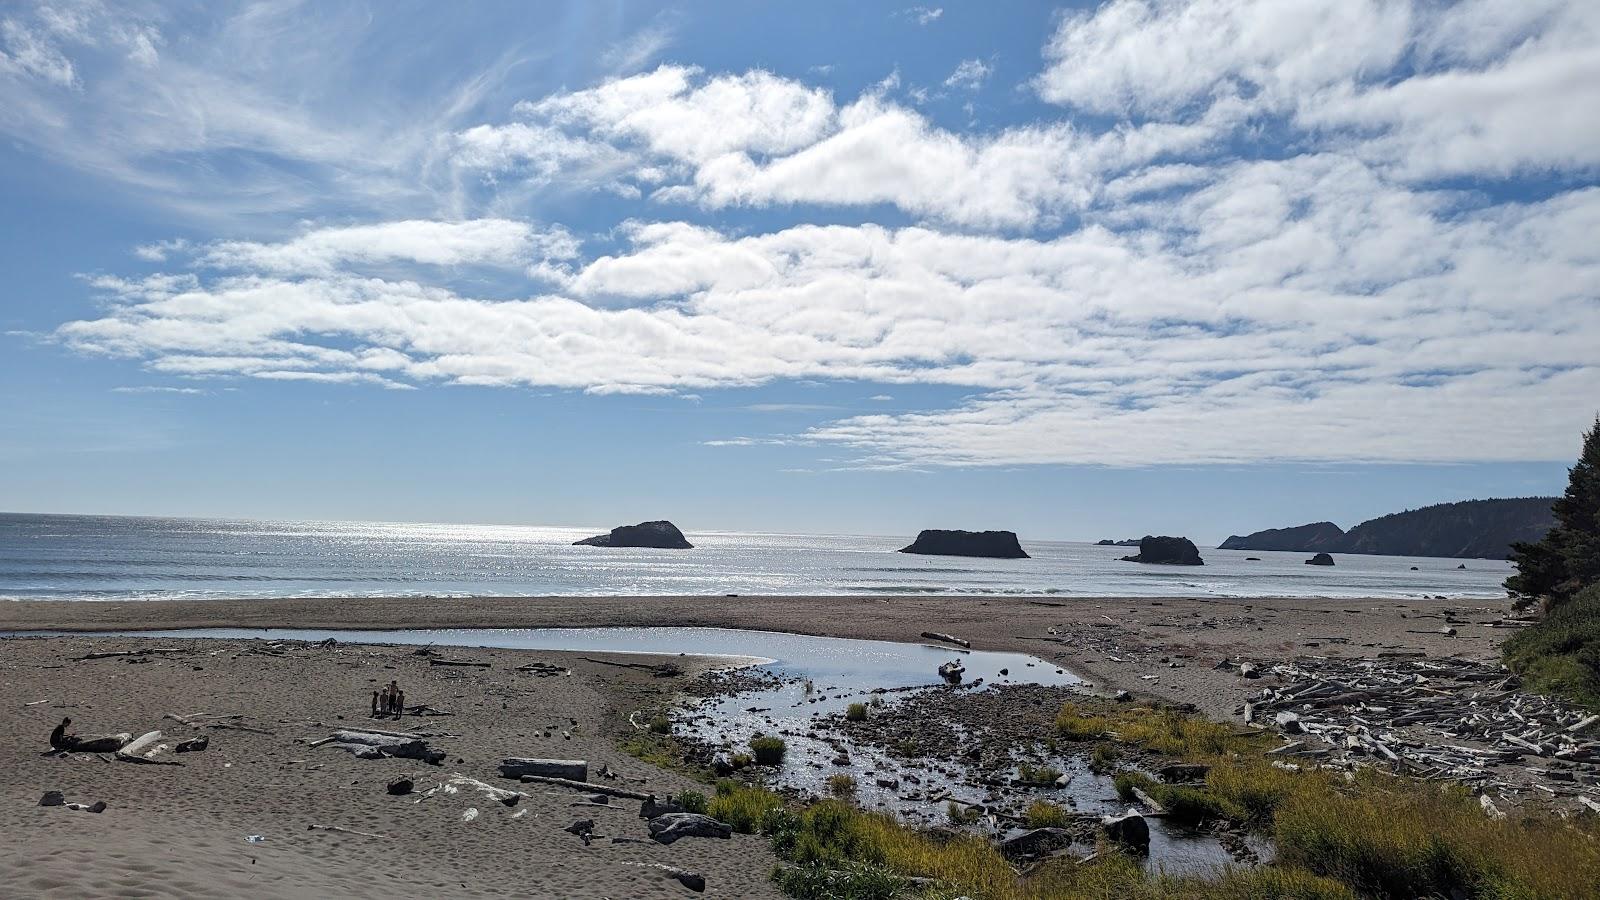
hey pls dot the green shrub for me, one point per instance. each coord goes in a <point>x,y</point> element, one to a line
<point>1560,655</point>
<point>742,806</point>
<point>660,724</point>
<point>856,713</point>
<point>692,801</point>
<point>768,750</point>
<point>841,785</point>
<point>851,881</point>
<point>741,761</point>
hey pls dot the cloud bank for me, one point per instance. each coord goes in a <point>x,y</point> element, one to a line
<point>1235,235</point>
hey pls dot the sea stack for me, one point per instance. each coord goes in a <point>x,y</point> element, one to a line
<point>661,535</point>
<point>1167,551</point>
<point>942,542</point>
<point>1321,559</point>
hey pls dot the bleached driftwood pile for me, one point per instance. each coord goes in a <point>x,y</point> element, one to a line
<point>1446,719</point>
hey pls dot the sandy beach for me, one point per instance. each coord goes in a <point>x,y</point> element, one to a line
<point>182,831</point>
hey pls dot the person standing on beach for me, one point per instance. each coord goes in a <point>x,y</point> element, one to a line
<point>374,704</point>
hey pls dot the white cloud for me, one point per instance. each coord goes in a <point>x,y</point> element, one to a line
<point>632,53</point>
<point>969,75</point>
<point>155,389</point>
<point>158,251</point>
<point>1159,56</point>
<point>491,242</point>
<point>925,15</point>
<point>25,52</point>
<point>759,140</point>
<point>1297,309</point>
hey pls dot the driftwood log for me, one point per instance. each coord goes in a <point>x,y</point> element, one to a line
<point>949,639</point>
<point>143,749</point>
<point>588,787</point>
<point>570,769</point>
<point>112,654</point>
<point>368,744</point>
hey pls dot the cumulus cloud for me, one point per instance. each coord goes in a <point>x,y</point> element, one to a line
<point>757,140</point>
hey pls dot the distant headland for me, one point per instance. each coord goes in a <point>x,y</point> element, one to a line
<point>1470,529</point>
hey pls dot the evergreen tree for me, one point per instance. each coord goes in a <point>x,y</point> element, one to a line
<point>1568,559</point>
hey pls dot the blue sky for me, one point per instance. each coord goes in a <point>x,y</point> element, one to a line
<point>1081,271</point>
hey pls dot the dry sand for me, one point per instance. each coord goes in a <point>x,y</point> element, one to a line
<point>180,831</point>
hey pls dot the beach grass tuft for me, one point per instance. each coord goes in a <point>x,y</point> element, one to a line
<point>1044,814</point>
<point>768,750</point>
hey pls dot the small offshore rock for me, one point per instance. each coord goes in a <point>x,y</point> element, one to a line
<point>53,798</point>
<point>1167,551</point>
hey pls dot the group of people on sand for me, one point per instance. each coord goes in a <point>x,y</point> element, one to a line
<point>391,701</point>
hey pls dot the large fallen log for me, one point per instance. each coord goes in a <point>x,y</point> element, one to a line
<point>439,661</point>
<point>949,639</point>
<point>570,769</point>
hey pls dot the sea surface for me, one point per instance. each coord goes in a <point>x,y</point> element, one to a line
<point>125,558</point>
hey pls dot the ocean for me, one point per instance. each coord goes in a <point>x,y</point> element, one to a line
<point>60,557</point>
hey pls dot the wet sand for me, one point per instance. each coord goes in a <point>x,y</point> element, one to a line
<point>181,831</point>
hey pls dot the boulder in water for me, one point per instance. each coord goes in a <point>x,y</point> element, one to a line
<point>1321,559</point>
<point>1169,551</point>
<point>1129,830</point>
<point>943,542</point>
<point>662,535</point>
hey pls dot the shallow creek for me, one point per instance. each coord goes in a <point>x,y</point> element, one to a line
<point>804,680</point>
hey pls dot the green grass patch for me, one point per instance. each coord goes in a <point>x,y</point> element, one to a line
<point>841,785</point>
<point>1033,773</point>
<point>660,724</point>
<point>1044,814</point>
<point>1162,729</point>
<point>742,806</point>
<point>856,712</point>
<point>1560,655</point>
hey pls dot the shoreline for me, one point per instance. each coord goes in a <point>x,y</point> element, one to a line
<point>1163,648</point>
